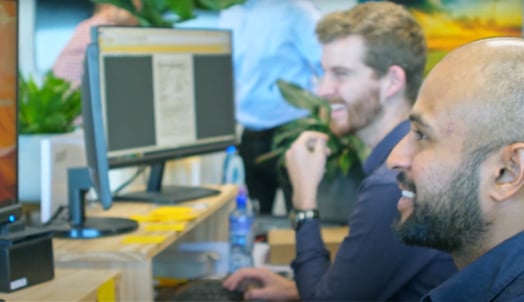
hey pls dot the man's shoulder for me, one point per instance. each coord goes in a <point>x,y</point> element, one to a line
<point>514,291</point>
<point>472,286</point>
<point>498,275</point>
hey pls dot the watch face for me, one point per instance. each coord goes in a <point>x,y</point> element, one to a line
<point>298,216</point>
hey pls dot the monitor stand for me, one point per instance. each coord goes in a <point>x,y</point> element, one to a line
<point>159,194</point>
<point>81,227</point>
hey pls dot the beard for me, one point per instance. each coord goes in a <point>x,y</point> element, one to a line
<point>360,113</point>
<point>449,217</point>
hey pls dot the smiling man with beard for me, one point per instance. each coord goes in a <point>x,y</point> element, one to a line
<point>373,57</point>
<point>462,170</point>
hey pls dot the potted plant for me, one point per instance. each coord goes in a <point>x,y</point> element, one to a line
<point>338,188</point>
<point>345,151</point>
<point>156,12</point>
<point>50,108</point>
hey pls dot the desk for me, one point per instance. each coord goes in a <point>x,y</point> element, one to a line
<point>68,285</point>
<point>135,260</point>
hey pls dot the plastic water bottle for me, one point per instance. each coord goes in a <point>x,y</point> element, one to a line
<point>241,233</point>
<point>233,169</point>
<point>234,173</point>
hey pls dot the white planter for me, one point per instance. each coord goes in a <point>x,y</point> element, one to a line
<point>29,167</point>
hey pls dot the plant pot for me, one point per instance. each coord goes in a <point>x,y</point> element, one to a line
<point>29,166</point>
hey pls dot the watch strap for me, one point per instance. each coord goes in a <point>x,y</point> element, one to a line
<point>297,217</point>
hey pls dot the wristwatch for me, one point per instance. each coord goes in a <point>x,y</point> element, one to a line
<point>297,217</point>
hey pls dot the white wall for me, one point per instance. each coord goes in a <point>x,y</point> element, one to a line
<point>327,6</point>
<point>42,39</point>
<point>26,45</point>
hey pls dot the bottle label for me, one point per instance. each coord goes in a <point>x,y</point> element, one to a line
<point>241,240</point>
<point>240,224</point>
<point>240,231</point>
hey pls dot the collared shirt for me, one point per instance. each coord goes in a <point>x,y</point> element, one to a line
<point>272,39</point>
<point>371,264</point>
<point>496,276</point>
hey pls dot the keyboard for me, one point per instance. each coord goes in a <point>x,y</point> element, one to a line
<point>206,290</point>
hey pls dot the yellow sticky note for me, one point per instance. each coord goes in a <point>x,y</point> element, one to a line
<point>144,239</point>
<point>177,217</point>
<point>180,226</point>
<point>171,210</point>
<point>106,292</point>
<point>173,213</point>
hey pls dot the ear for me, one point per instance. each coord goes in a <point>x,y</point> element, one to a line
<point>509,174</point>
<point>393,82</point>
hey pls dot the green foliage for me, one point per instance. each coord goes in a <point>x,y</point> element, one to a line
<point>49,108</point>
<point>345,151</point>
<point>216,5</point>
<point>153,12</point>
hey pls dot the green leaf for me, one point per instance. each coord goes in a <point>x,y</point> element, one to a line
<point>345,161</point>
<point>269,155</point>
<point>153,15</point>
<point>345,151</point>
<point>124,4</point>
<point>286,137</point>
<point>216,5</point>
<point>301,98</point>
<point>161,5</point>
<point>182,8</point>
<point>152,12</point>
<point>51,107</point>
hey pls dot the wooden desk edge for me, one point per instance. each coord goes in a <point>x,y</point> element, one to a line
<point>109,249</point>
<point>67,285</point>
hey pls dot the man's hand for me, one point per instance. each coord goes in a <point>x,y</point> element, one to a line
<point>305,162</point>
<point>270,286</point>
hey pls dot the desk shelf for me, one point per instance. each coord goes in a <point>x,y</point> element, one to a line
<point>135,260</point>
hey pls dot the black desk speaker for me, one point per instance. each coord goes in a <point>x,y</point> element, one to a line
<point>26,258</point>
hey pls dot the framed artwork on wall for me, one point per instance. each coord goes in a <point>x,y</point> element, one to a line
<point>451,23</point>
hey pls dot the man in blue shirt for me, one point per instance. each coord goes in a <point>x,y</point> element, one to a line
<point>462,170</point>
<point>373,58</point>
<point>272,39</point>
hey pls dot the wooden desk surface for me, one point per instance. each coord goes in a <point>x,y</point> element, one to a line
<point>112,247</point>
<point>67,285</point>
<point>134,260</point>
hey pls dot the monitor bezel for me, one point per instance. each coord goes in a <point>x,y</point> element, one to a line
<point>160,157</point>
<point>11,209</point>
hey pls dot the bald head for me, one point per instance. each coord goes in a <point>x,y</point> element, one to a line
<point>481,84</point>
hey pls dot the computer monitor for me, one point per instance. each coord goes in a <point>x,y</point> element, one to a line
<point>10,209</point>
<point>96,175</point>
<point>165,93</point>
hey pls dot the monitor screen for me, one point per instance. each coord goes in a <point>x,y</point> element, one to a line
<point>9,207</point>
<point>165,93</point>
